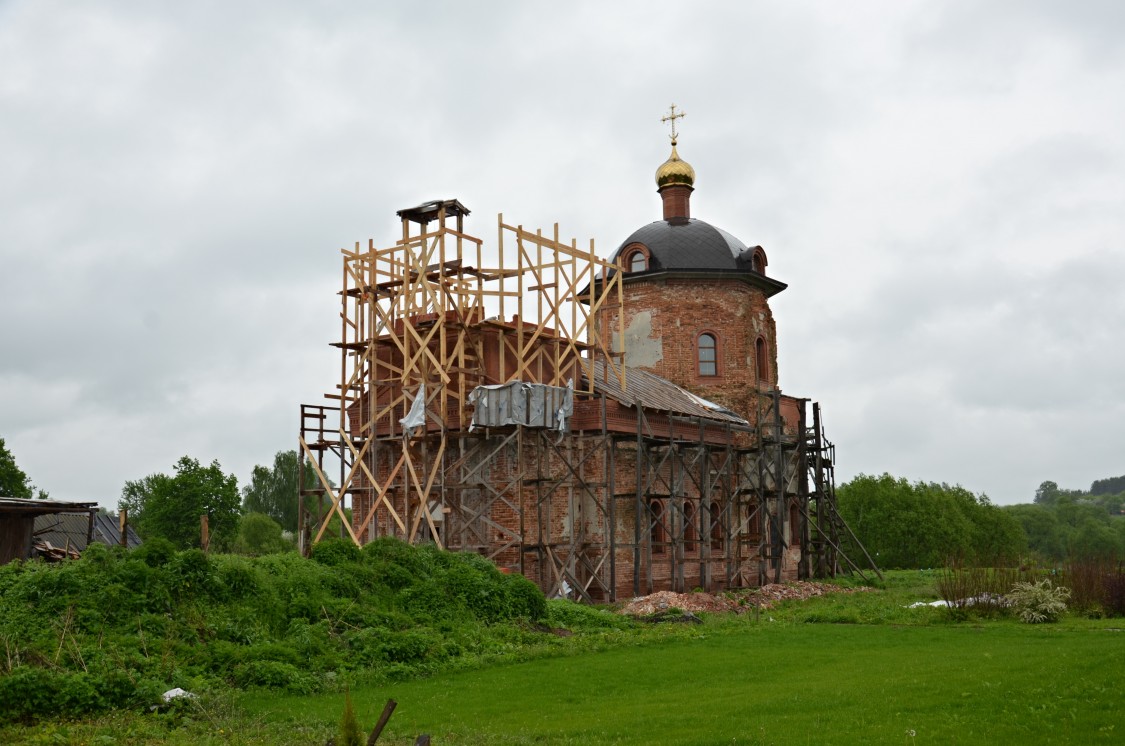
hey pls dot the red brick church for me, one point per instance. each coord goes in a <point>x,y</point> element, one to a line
<point>607,427</point>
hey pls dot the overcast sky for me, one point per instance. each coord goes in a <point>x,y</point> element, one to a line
<point>941,184</point>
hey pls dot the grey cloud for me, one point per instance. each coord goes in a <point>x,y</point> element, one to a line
<point>936,183</point>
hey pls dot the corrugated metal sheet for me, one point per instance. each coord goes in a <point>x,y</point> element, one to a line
<point>653,392</point>
<point>518,403</point>
<point>61,528</point>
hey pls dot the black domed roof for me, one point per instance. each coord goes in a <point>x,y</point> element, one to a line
<point>689,244</point>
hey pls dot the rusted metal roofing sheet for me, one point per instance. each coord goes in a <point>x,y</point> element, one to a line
<point>653,392</point>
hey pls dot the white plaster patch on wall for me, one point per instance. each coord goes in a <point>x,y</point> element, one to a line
<point>641,349</point>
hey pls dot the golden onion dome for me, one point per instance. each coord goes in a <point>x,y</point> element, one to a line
<point>675,171</point>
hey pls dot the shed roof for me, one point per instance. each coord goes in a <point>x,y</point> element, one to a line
<point>62,529</point>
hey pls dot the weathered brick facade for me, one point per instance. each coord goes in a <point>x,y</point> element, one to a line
<point>664,318</point>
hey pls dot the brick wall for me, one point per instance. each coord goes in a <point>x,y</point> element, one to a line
<point>663,321</point>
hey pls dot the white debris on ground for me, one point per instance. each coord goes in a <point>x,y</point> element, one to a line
<point>763,598</point>
<point>986,599</point>
<point>176,694</point>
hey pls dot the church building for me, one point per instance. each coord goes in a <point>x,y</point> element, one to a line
<point>607,427</point>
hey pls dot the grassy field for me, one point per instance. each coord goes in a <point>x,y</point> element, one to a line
<point>839,669</point>
<point>774,683</point>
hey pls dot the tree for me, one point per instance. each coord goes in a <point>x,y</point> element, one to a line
<point>906,525</point>
<point>1095,540</point>
<point>13,481</point>
<point>259,534</point>
<point>171,506</point>
<point>1045,535</point>
<point>274,491</point>
<point>1108,486</point>
<point>135,494</point>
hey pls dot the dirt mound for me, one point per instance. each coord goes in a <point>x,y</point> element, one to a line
<point>768,595</point>
<point>664,600</point>
<point>763,598</point>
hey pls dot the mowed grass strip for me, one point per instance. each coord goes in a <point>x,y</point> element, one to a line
<point>771,684</point>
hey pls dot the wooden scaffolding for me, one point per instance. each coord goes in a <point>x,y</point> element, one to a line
<point>424,323</point>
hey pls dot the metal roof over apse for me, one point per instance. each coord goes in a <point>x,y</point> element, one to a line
<point>659,394</point>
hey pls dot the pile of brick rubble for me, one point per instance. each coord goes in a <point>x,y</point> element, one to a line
<point>763,598</point>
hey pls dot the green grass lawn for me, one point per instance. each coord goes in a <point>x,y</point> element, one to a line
<point>839,669</point>
<point>772,683</point>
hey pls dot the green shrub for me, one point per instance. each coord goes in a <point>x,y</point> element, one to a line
<point>374,646</point>
<point>192,573</point>
<point>428,600</point>
<point>526,600</point>
<point>27,692</point>
<point>313,643</point>
<point>393,575</point>
<point>1038,602</point>
<point>482,592</point>
<point>333,552</point>
<point>155,552</point>
<point>273,675</point>
<point>389,550</point>
<point>574,616</point>
<point>238,577</point>
<point>97,553</point>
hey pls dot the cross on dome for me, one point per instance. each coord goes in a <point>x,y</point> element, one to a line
<point>672,117</point>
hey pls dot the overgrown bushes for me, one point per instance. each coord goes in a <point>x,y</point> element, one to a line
<point>919,525</point>
<point>1093,588</point>
<point>115,629</point>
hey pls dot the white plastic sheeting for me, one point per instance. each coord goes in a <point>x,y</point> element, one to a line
<point>416,417</point>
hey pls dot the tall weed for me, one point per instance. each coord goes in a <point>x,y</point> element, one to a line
<point>1097,586</point>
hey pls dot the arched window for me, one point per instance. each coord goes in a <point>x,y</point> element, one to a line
<point>754,521</point>
<point>656,536</point>
<point>707,348</point>
<point>691,532</point>
<point>638,262</point>
<point>762,359</point>
<point>758,260</point>
<point>716,527</point>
